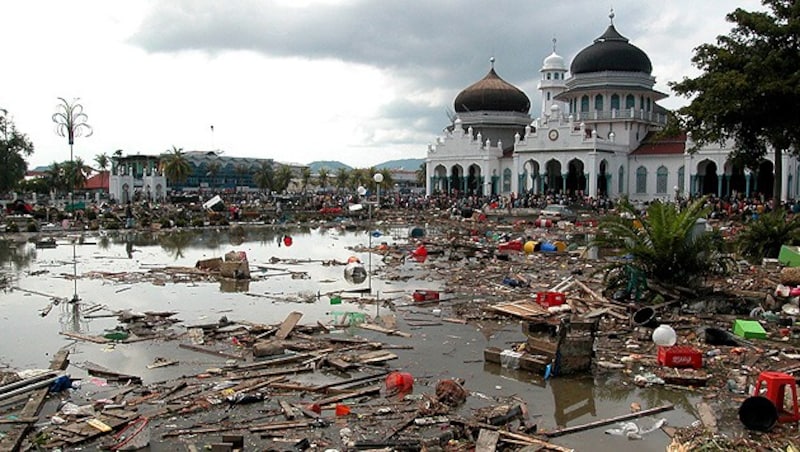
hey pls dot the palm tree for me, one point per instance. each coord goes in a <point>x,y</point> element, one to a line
<point>241,171</point>
<point>342,177</point>
<point>388,179</point>
<point>421,174</point>
<point>212,169</point>
<point>264,176</point>
<point>175,166</point>
<point>359,177</point>
<point>76,173</point>
<point>55,177</point>
<point>102,161</point>
<point>283,177</point>
<point>323,177</point>
<point>764,236</point>
<point>305,177</point>
<point>663,242</point>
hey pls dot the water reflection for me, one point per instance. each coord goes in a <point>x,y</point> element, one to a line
<point>230,285</point>
<point>71,319</point>
<point>17,255</point>
<point>572,398</point>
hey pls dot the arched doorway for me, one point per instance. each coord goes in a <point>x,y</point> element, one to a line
<point>576,179</point>
<point>474,180</point>
<point>552,178</point>
<point>439,180</point>
<point>603,179</point>
<point>531,172</point>
<point>456,179</point>
<point>126,194</point>
<point>708,180</point>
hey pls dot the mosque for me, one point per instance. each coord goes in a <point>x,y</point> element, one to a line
<point>596,136</point>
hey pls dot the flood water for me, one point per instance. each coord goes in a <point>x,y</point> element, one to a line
<point>131,263</point>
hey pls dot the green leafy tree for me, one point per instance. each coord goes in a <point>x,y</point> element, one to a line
<point>14,148</point>
<point>663,243</point>
<point>175,166</point>
<point>76,172</point>
<point>283,177</point>
<point>764,236</point>
<point>342,178</point>
<point>323,178</point>
<point>748,90</point>
<point>264,176</point>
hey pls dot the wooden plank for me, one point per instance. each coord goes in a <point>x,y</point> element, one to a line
<point>85,337</point>
<point>349,395</point>
<point>209,351</point>
<point>602,422</point>
<point>487,440</point>
<point>288,410</point>
<point>13,438</point>
<point>380,329</point>
<point>288,325</point>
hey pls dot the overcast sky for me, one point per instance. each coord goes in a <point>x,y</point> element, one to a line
<point>302,80</point>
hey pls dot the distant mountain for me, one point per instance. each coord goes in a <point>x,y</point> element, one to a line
<point>332,165</point>
<point>403,164</point>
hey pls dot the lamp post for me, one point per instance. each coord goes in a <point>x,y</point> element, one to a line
<point>71,122</point>
<point>378,178</point>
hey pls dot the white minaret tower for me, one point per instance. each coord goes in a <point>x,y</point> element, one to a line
<point>553,82</point>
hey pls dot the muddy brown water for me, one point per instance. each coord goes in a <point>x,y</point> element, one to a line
<point>441,351</point>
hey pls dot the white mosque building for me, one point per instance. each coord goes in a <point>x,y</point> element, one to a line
<point>596,135</point>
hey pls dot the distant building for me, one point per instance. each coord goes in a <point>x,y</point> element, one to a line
<point>140,176</point>
<point>596,136</point>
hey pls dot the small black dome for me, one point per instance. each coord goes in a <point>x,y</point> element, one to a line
<point>611,52</point>
<point>492,93</point>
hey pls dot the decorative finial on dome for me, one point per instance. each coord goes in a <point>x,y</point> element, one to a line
<point>491,62</point>
<point>554,44</point>
<point>611,15</point>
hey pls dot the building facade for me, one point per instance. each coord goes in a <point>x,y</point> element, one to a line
<point>596,135</point>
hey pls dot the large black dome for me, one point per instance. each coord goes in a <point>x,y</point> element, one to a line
<point>611,52</point>
<point>492,93</point>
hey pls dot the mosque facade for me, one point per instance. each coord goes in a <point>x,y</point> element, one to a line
<point>596,136</point>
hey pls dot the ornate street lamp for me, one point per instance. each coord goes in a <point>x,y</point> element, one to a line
<point>71,122</point>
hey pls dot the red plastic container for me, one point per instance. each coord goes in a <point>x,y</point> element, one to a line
<point>548,299</point>
<point>680,356</point>
<point>426,295</point>
<point>514,245</point>
<point>399,382</point>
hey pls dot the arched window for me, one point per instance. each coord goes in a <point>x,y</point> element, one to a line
<point>506,180</point>
<point>641,102</point>
<point>641,180</point>
<point>621,179</point>
<point>630,101</point>
<point>680,179</point>
<point>648,104</point>
<point>598,102</point>
<point>555,76</point>
<point>548,95</point>
<point>585,103</point>
<point>661,179</point>
<point>615,101</point>
<point>548,76</point>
